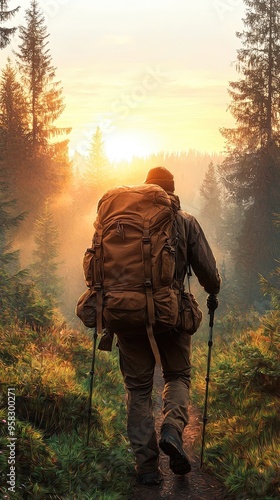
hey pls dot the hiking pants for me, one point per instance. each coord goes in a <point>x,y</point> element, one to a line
<point>137,365</point>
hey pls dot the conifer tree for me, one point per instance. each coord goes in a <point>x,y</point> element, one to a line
<point>8,222</point>
<point>9,259</point>
<point>48,168</point>
<point>6,15</point>
<point>211,211</point>
<point>96,173</point>
<point>14,128</point>
<point>38,73</point>
<point>20,300</point>
<point>45,265</point>
<point>251,170</point>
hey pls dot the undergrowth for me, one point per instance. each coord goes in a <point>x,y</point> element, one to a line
<point>50,373</point>
<point>243,431</point>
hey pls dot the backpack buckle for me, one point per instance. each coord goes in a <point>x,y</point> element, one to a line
<point>146,239</point>
<point>97,287</point>
<point>148,283</point>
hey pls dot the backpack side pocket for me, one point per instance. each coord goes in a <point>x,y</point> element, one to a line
<point>86,308</point>
<point>190,314</point>
<point>88,266</point>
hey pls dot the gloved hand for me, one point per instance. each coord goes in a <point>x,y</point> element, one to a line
<point>212,302</point>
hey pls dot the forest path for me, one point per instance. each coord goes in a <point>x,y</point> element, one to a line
<point>197,485</point>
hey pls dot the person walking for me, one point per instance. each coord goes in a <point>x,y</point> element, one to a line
<point>137,360</point>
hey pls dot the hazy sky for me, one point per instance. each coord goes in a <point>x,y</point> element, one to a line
<point>153,74</point>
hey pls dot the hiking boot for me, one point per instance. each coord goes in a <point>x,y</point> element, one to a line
<point>172,445</point>
<point>153,478</point>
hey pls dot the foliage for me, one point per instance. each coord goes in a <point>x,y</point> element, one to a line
<point>98,168</point>
<point>20,300</point>
<point>255,97</point>
<point>45,264</point>
<point>37,165</point>
<point>14,125</point>
<point>50,374</point>
<point>211,211</point>
<point>250,171</point>
<point>243,408</point>
<point>22,303</point>
<point>6,15</point>
<point>37,72</point>
<point>8,222</point>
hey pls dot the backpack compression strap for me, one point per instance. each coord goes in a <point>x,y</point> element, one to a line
<point>148,273</point>
<point>148,287</point>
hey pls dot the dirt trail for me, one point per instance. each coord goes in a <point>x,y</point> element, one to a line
<point>197,485</point>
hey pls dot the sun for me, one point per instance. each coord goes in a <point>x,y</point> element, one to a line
<point>124,145</point>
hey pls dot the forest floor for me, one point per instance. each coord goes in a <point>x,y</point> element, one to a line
<point>198,484</point>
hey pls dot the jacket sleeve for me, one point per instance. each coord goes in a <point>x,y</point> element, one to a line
<point>199,255</point>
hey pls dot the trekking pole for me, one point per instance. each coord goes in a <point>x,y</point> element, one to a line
<point>207,378</point>
<point>91,382</point>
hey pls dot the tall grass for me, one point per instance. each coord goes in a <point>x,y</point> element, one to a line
<point>243,430</point>
<point>50,372</point>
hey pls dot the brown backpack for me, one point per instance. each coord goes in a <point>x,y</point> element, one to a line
<point>130,269</point>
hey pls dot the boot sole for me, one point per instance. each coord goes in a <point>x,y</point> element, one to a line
<point>179,462</point>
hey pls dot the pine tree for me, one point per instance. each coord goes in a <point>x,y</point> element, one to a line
<point>96,173</point>
<point>8,222</point>
<point>48,168</point>
<point>211,211</point>
<point>35,63</point>
<point>20,299</point>
<point>95,176</point>
<point>6,15</point>
<point>251,170</point>
<point>14,128</point>
<point>9,259</point>
<point>45,265</point>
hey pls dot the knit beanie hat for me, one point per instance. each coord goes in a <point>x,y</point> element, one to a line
<point>162,177</point>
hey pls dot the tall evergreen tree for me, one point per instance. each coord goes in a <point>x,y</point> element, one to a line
<point>97,176</point>
<point>6,15</point>
<point>251,170</point>
<point>8,222</point>
<point>9,259</point>
<point>38,73</point>
<point>14,128</point>
<point>46,263</point>
<point>48,168</point>
<point>97,166</point>
<point>211,211</point>
<point>20,300</point>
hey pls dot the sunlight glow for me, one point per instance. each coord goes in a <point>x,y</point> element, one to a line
<point>125,145</point>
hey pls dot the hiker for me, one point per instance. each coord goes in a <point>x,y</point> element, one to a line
<point>142,249</point>
<point>137,361</point>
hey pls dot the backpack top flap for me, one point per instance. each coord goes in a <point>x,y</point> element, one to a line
<point>133,201</point>
<point>123,215</point>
